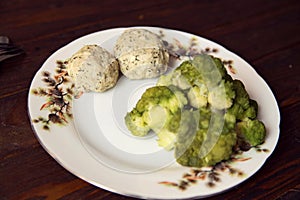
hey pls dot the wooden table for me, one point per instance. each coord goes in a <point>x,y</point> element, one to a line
<point>264,33</point>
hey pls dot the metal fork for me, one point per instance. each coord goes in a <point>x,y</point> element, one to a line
<point>7,49</point>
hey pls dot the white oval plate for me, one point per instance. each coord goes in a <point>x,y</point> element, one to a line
<point>87,136</point>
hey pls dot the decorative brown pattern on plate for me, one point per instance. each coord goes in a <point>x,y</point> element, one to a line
<point>177,50</point>
<point>59,94</point>
<point>209,174</point>
<point>212,174</point>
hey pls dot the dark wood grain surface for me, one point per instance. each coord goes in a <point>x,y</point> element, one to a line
<point>264,33</point>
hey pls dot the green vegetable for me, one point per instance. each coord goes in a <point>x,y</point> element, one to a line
<point>202,145</point>
<point>221,150</point>
<point>243,107</point>
<point>199,111</point>
<point>221,96</point>
<point>159,110</point>
<point>251,132</point>
<point>136,124</point>
<point>197,96</point>
<point>183,77</point>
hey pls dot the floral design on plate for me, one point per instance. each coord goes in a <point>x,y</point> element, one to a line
<point>178,50</point>
<point>209,174</point>
<point>59,93</point>
<point>212,174</point>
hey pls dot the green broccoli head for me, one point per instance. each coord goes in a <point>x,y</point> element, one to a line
<point>166,139</point>
<point>180,95</point>
<point>190,121</point>
<point>211,69</point>
<point>242,97</point>
<point>205,117</point>
<point>189,73</point>
<point>243,107</point>
<point>222,150</point>
<point>136,124</point>
<point>159,110</point>
<point>204,69</point>
<point>240,113</point>
<point>197,146</point>
<point>251,111</point>
<point>220,66</point>
<point>204,78</point>
<point>158,95</point>
<point>193,156</point>
<point>199,110</point>
<point>168,132</point>
<point>183,77</point>
<point>251,132</point>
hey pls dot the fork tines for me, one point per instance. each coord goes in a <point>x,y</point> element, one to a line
<point>8,50</point>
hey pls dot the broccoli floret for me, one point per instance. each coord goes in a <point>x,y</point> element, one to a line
<point>156,117</point>
<point>136,124</point>
<point>251,111</point>
<point>204,119</point>
<point>242,97</point>
<point>180,95</point>
<point>165,80</point>
<point>222,96</point>
<point>235,110</point>
<point>243,106</point>
<point>251,132</point>
<point>166,139</point>
<point>203,69</point>
<point>203,77</point>
<point>159,95</point>
<point>180,81</point>
<point>190,73</point>
<point>168,133</point>
<point>174,79</point>
<point>197,96</point>
<point>220,151</point>
<point>222,69</point>
<point>183,77</point>
<point>220,90</point>
<point>210,70</point>
<point>197,146</point>
<point>187,131</point>
<point>219,64</point>
<point>159,110</point>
